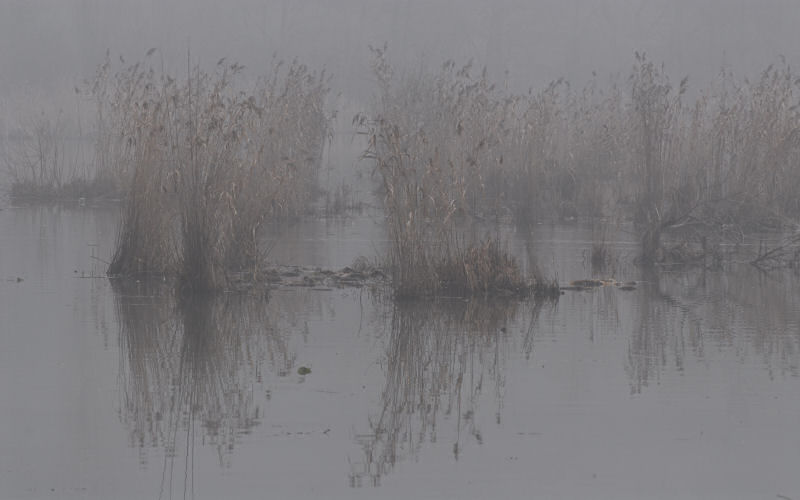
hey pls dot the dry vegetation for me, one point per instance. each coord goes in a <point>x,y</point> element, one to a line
<point>47,154</point>
<point>207,162</point>
<point>436,141</point>
<point>204,159</point>
<point>449,146</point>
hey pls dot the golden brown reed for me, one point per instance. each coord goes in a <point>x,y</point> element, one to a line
<point>207,161</point>
<point>436,141</point>
<point>449,145</point>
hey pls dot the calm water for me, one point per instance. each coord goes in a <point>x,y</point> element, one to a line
<point>685,388</point>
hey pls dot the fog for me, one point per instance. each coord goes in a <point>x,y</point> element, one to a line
<point>435,270</point>
<point>47,43</point>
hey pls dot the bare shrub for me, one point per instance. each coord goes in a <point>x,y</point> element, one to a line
<point>45,159</point>
<point>47,149</point>
<point>37,156</point>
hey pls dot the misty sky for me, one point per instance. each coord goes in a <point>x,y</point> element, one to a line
<point>47,42</point>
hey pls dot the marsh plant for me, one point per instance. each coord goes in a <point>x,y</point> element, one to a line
<point>46,146</point>
<point>209,159</point>
<point>720,165</point>
<point>450,145</point>
<point>436,142</point>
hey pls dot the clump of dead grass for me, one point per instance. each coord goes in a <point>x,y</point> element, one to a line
<point>209,159</point>
<point>436,141</point>
<point>450,146</point>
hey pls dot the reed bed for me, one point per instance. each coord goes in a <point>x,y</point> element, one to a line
<point>205,158</point>
<point>450,145</point>
<point>46,146</point>
<point>436,142</point>
<point>208,160</point>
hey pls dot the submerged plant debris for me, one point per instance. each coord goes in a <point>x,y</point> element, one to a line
<point>312,277</point>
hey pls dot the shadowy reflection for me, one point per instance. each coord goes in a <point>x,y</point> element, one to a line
<point>647,346</point>
<point>441,358</point>
<point>188,370</point>
<point>702,314</point>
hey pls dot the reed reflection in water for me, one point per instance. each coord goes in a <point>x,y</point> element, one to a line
<point>191,362</point>
<point>448,381</point>
<point>699,316</point>
<point>442,360</point>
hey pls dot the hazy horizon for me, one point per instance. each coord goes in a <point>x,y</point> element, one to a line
<point>47,42</point>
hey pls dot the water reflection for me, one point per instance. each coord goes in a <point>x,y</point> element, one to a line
<point>712,359</point>
<point>442,359</point>
<point>189,371</point>
<point>199,371</point>
<point>748,313</point>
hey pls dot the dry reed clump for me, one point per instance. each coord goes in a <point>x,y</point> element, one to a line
<point>485,267</point>
<point>654,109</point>
<point>47,150</point>
<point>208,163</point>
<point>723,162</point>
<point>535,179</point>
<point>436,141</point>
<point>720,164</point>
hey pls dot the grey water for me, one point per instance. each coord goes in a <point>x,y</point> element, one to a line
<point>686,387</point>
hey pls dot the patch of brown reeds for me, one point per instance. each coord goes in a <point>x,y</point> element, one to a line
<point>208,162</point>
<point>450,145</point>
<point>719,165</point>
<point>481,268</point>
<point>486,268</point>
<point>437,141</point>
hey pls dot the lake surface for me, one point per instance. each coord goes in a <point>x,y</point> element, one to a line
<point>686,387</point>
